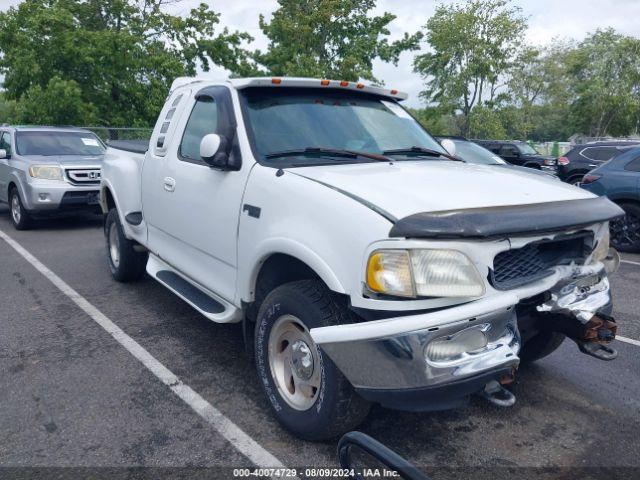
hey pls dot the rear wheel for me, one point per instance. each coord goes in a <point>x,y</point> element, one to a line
<point>126,264</point>
<point>625,231</point>
<point>19,216</point>
<point>306,391</point>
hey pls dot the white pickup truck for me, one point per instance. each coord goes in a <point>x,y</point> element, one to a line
<point>365,262</point>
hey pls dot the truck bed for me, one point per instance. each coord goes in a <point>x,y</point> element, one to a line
<point>134,146</point>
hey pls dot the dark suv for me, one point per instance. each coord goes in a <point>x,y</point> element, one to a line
<point>581,159</point>
<point>519,153</point>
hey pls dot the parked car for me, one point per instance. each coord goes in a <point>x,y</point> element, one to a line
<point>619,180</point>
<point>365,263</point>
<point>48,171</point>
<point>471,152</point>
<point>519,153</point>
<point>581,159</point>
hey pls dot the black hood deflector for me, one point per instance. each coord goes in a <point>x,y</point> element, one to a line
<point>491,222</point>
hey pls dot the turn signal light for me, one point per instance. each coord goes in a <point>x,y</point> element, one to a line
<point>563,161</point>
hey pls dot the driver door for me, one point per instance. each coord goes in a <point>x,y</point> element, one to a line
<point>192,209</point>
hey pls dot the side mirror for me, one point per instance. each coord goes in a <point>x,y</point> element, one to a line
<point>3,153</point>
<point>215,151</point>
<point>360,452</point>
<point>449,146</point>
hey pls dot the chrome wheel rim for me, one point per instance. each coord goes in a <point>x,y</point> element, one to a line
<point>295,363</point>
<point>114,245</point>
<point>16,212</point>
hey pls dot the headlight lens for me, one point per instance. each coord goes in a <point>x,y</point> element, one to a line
<point>46,172</point>
<point>423,273</point>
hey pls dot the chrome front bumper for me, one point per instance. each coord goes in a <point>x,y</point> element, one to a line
<point>394,354</point>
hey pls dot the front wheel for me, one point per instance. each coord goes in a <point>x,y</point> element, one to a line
<point>306,391</point>
<point>126,264</point>
<point>625,231</point>
<point>19,216</point>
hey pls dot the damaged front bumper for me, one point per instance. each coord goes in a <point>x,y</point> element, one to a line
<point>435,360</point>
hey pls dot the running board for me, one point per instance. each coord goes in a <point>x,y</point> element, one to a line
<point>207,303</point>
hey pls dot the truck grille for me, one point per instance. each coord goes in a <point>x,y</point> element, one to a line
<point>84,176</point>
<point>519,266</point>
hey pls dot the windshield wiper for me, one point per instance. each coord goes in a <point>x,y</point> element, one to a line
<point>421,151</point>
<point>327,152</point>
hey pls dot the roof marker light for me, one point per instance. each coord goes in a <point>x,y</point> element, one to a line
<point>276,81</point>
<point>344,84</point>
<point>324,83</point>
<point>360,85</point>
<point>394,92</point>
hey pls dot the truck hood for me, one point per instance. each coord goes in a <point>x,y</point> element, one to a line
<point>65,160</point>
<point>408,187</point>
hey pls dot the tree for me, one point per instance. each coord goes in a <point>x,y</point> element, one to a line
<point>59,103</point>
<point>473,45</point>
<point>118,57</point>
<point>329,39</point>
<point>606,75</point>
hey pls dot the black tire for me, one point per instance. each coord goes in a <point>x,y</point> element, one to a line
<point>576,179</point>
<point>540,346</point>
<point>129,265</point>
<point>20,218</point>
<point>625,232</point>
<point>337,408</point>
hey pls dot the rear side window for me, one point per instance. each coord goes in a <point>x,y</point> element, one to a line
<point>5,142</point>
<point>509,151</point>
<point>202,121</point>
<point>601,154</point>
<point>633,165</point>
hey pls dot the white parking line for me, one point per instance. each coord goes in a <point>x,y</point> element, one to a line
<point>229,430</point>
<point>630,262</point>
<point>628,340</point>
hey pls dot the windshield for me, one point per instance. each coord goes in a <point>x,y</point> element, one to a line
<point>474,153</point>
<point>49,143</point>
<point>296,119</point>
<point>527,149</point>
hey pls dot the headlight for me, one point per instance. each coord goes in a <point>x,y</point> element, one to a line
<point>46,172</point>
<point>423,273</point>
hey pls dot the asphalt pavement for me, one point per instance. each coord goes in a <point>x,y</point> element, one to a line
<point>73,396</point>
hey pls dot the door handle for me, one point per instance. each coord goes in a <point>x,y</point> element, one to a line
<point>169,184</point>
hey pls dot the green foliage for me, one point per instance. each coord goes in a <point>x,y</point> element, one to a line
<point>605,69</point>
<point>118,57</point>
<point>7,110</point>
<point>472,45</point>
<point>329,39</point>
<point>59,103</point>
<point>484,122</point>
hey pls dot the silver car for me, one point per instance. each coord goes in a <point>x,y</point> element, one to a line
<point>47,171</point>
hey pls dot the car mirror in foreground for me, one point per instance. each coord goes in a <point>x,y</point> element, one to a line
<point>3,153</point>
<point>368,458</point>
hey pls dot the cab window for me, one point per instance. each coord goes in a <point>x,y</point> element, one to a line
<point>202,121</point>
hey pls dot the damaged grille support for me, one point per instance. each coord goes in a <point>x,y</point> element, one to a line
<point>575,310</point>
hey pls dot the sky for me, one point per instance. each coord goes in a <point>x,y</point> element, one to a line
<point>547,19</point>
